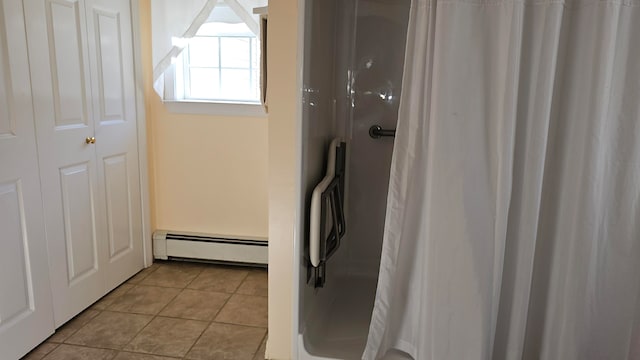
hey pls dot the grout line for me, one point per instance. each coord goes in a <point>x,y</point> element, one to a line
<point>52,350</point>
<point>154,316</point>
<point>198,338</point>
<point>169,302</point>
<point>91,347</point>
<point>194,278</point>
<point>264,338</point>
<point>221,307</point>
<point>209,324</point>
<point>108,306</point>
<point>115,355</point>
<point>180,318</point>
<point>130,312</point>
<point>83,325</point>
<point>55,346</point>
<point>242,282</point>
<point>245,325</point>
<point>138,333</point>
<point>201,269</point>
<point>152,355</point>
<point>161,286</point>
<point>151,271</point>
<point>73,332</point>
<point>253,295</point>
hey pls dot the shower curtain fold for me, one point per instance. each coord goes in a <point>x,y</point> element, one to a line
<point>513,217</point>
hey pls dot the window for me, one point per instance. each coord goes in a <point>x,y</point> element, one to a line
<point>221,64</point>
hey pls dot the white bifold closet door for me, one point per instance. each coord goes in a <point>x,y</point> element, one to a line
<point>81,57</point>
<point>25,297</point>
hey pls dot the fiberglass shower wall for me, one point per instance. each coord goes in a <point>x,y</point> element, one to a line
<point>326,113</point>
<point>378,59</point>
<point>353,61</point>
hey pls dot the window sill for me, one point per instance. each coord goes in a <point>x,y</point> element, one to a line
<point>215,108</point>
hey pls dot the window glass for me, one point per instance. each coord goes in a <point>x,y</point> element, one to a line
<point>203,51</point>
<point>222,62</point>
<point>236,84</point>
<point>204,83</point>
<point>236,52</point>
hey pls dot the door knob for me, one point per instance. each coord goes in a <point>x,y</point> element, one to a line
<point>90,140</point>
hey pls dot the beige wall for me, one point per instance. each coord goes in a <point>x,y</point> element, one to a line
<point>177,143</point>
<point>208,173</point>
<point>283,102</point>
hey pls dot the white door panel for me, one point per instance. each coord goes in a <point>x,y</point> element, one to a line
<point>107,52</point>
<point>26,313</point>
<point>63,112</point>
<point>111,55</point>
<point>119,224</point>
<point>17,302</point>
<point>79,226</point>
<point>66,62</point>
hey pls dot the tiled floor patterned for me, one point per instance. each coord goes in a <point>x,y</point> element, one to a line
<point>171,310</point>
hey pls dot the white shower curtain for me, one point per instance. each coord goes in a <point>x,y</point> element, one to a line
<point>513,216</point>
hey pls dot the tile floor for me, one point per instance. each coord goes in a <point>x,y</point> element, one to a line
<point>171,310</point>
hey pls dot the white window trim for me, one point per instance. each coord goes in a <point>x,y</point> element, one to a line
<point>206,107</point>
<point>215,108</point>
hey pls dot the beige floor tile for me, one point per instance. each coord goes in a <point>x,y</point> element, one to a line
<point>227,342</point>
<point>144,300</point>
<point>124,355</point>
<point>70,352</point>
<point>41,351</point>
<point>167,336</point>
<point>173,274</point>
<point>261,350</point>
<point>244,310</point>
<point>218,278</point>
<point>142,274</point>
<point>108,299</point>
<point>255,284</point>
<point>184,316</point>
<point>196,305</point>
<point>110,330</point>
<point>73,325</point>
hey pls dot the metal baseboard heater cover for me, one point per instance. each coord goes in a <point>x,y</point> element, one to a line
<point>185,245</point>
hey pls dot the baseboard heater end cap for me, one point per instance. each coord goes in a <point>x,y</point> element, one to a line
<point>160,245</point>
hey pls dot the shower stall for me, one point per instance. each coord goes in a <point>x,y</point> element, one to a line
<point>514,191</point>
<point>353,66</point>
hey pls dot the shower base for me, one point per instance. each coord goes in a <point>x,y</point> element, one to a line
<point>341,333</point>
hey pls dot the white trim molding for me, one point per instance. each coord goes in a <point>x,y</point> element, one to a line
<point>142,135</point>
<point>216,108</point>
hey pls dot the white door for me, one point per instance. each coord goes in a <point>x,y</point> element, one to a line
<point>26,314</point>
<point>114,112</point>
<point>90,189</point>
<point>60,67</point>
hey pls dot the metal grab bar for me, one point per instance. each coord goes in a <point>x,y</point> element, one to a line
<point>376,132</point>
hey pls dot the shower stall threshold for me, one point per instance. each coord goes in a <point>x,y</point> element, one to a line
<point>341,332</point>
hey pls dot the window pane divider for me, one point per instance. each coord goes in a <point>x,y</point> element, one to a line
<point>217,87</point>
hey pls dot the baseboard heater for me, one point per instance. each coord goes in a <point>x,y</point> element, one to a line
<point>207,247</point>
